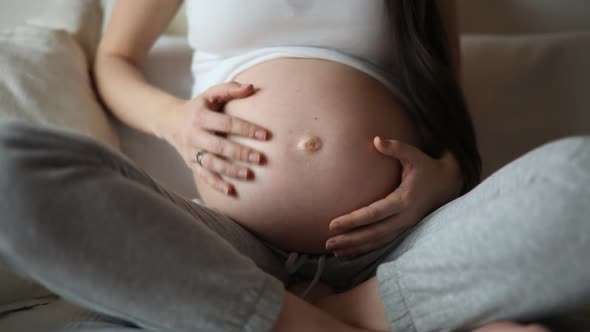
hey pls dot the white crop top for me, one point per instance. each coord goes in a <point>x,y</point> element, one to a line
<point>230,36</point>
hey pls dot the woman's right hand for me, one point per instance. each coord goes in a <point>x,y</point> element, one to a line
<point>197,126</point>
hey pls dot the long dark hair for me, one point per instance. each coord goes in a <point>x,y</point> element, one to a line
<point>429,85</point>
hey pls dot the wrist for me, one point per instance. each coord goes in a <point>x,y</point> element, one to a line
<point>164,122</point>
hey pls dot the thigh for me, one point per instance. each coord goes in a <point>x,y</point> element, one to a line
<point>84,221</point>
<point>515,247</point>
<point>85,155</point>
<point>239,237</point>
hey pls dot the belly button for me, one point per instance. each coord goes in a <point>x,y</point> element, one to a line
<point>310,144</point>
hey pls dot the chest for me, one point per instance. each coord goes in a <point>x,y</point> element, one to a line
<point>228,27</point>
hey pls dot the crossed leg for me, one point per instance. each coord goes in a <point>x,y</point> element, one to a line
<point>85,222</point>
<point>514,248</point>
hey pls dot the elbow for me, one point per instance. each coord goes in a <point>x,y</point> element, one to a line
<point>107,54</point>
<point>97,70</point>
<point>110,63</point>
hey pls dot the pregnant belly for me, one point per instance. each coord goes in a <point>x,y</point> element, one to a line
<point>320,159</point>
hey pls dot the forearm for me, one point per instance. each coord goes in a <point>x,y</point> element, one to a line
<point>130,98</point>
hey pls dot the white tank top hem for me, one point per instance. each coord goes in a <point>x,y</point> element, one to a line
<point>209,70</point>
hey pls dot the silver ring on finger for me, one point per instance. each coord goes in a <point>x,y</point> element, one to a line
<point>199,156</point>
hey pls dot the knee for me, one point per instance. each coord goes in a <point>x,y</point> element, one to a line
<point>12,189</point>
<point>563,170</point>
<point>12,138</point>
<point>571,143</point>
<point>565,158</point>
<point>573,154</point>
<point>28,156</point>
<point>573,148</point>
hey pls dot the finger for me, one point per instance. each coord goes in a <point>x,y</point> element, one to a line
<point>214,180</point>
<point>224,123</point>
<point>363,240</point>
<point>393,148</point>
<point>220,94</point>
<point>394,203</point>
<point>226,148</point>
<point>221,166</point>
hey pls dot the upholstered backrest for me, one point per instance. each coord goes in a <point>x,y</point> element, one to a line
<point>523,16</point>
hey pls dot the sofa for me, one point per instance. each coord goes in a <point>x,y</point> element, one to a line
<point>526,75</point>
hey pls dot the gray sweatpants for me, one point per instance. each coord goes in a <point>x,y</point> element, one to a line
<point>84,221</point>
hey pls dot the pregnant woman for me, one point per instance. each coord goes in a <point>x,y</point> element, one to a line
<point>326,139</point>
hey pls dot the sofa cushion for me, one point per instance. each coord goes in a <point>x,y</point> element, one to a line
<point>514,17</point>
<point>525,91</point>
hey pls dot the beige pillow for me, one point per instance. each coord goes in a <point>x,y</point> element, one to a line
<point>525,91</point>
<point>45,80</point>
<point>81,18</point>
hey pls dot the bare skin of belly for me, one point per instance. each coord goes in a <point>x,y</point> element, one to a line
<point>320,162</point>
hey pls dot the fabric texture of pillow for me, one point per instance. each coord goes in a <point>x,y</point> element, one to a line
<point>526,91</point>
<point>45,80</point>
<point>82,19</point>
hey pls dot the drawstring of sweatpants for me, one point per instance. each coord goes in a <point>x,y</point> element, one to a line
<point>295,261</point>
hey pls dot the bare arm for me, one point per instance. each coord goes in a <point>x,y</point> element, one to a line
<point>131,32</point>
<point>448,12</point>
<point>190,126</point>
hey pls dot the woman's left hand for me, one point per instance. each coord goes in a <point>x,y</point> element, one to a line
<point>426,184</point>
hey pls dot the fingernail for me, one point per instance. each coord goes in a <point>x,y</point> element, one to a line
<point>254,157</point>
<point>330,244</point>
<point>243,173</point>
<point>228,190</point>
<point>334,225</point>
<point>260,134</point>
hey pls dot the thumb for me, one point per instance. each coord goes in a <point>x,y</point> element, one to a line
<point>222,93</point>
<point>405,153</point>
